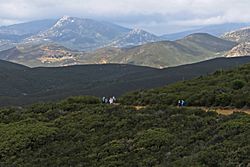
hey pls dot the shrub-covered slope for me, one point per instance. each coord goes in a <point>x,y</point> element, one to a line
<point>223,88</point>
<point>82,132</point>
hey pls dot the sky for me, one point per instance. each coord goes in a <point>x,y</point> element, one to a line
<point>156,16</point>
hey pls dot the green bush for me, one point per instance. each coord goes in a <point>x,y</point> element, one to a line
<point>238,84</point>
<point>223,99</point>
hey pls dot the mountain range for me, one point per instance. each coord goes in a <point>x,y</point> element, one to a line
<point>70,41</point>
<point>74,33</point>
<point>191,49</point>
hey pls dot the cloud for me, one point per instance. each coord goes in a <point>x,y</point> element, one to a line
<point>155,15</point>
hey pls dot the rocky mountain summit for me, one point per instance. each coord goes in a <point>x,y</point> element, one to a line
<point>242,49</point>
<point>241,35</point>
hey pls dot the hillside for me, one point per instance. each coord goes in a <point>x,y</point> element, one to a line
<point>47,55</point>
<point>29,85</point>
<point>191,49</point>
<point>223,88</point>
<point>11,36</point>
<point>6,44</point>
<point>206,41</point>
<point>133,38</point>
<point>17,32</point>
<point>81,131</point>
<point>242,49</point>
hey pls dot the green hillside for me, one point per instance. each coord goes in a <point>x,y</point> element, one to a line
<point>82,132</point>
<point>35,55</point>
<point>21,85</point>
<point>191,49</point>
<point>206,41</point>
<point>222,88</point>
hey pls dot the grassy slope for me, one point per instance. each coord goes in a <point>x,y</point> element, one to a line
<point>209,42</point>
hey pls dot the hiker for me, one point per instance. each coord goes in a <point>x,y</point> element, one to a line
<point>111,100</point>
<point>103,99</point>
<point>179,103</point>
<point>114,99</point>
<point>183,103</point>
<point>106,100</point>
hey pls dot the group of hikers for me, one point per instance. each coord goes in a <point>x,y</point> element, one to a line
<point>181,103</point>
<point>112,100</point>
<point>109,100</point>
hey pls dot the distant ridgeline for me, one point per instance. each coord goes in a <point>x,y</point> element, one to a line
<point>81,131</point>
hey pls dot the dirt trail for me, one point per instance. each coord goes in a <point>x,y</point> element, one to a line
<point>223,111</point>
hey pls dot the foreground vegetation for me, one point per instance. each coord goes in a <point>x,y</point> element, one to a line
<point>81,131</point>
<point>223,88</point>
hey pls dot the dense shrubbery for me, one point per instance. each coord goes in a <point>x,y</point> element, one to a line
<point>223,88</point>
<point>82,132</point>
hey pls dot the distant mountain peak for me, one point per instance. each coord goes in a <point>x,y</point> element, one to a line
<point>137,31</point>
<point>65,17</point>
<point>62,21</point>
<point>135,37</point>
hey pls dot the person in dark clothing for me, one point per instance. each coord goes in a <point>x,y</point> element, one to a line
<point>179,103</point>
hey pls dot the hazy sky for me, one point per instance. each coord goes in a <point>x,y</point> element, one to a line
<point>158,16</point>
